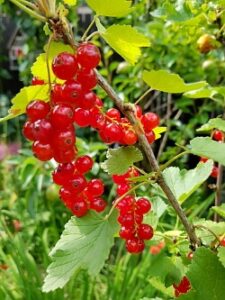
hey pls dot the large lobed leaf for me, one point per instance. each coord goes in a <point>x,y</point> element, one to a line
<point>108,8</point>
<point>167,82</point>
<point>216,123</point>
<point>85,243</point>
<point>120,159</point>
<point>206,147</point>
<point>26,95</point>
<point>125,40</point>
<point>207,277</point>
<point>183,183</point>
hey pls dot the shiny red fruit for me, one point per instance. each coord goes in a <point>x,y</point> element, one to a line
<point>145,232</point>
<point>84,164</point>
<point>65,66</point>
<point>135,245</point>
<point>42,151</point>
<point>88,55</point>
<point>37,109</point>
<point>150,121</point>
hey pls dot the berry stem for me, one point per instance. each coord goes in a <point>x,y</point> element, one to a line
<point>130,114</point>
<point>143,96</point>
<point>219,181</point>
<point>29,11</point>
<point>167,164</point>
<point>88,29</point>
<point>47,61</point>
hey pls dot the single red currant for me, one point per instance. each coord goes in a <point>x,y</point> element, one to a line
<point>218,135</point>
<point>96,187</point>
<point>62,116</point>
<point>42,151</point>
<point>143,206</point>
<point>65,66</point>
<point>87,78</point>
<point>145,232</point>
<point>98,204</point>
<point>37,109</point>
<point>88,55</point>
<point>84,164</point>
<point>150,121</point>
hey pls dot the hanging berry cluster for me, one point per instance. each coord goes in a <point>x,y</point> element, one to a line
<point>218,136</point>
<point>51,128</point>
<point>131,211</point>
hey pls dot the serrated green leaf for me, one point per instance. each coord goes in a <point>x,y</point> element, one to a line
<point>120,159</point>
<point>221,255</point>
<point>108,8</point>
<point>207,277</point>
<point>183,183</point>
<point>220,210</point>
<point>24,96</point>
<point>39,68</point>
<point>164,81</point>
<point>216,123</point>
<point>125,40</point>
<point>206,147</point>
<point>70,2</point>
<point>208,230</point>
<point>215,93</point>
<point>85,243</point>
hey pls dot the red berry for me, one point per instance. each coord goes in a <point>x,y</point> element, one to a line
<point>113,113</point>
<point>42,151</point>
<point>113,132</point>
<point>135,245</point>
<point>84,164</point>
<point>138,111</point>
<point>66,196</point>
<point>150,121</point>
<point>130,137</point>
<point>218,135</point>
<point>143,206</point>
<point>64,66</point>
<point>77,183</point>
<point>122,189</point>
<point>138,218</point>
<point>37,109</point>
<point>42,131</point>
<point>72,92</point>
<point>64,155</point>
<point>87,78</point>
<point>88,55</point>
<point>184,286</point>
<point>82,117</point>
<point>126,204</point>
<point>150,136</point>
<point>96,187</point>
<point>190,255</point>
<point>98,121</point>
<point>203,159</point>
<point>63,173</point>
<point>126,219</point>
<point>222,242</point>
<point>88,100</point>
<point>145,232</point>
<point>80,208</point>
<point>98,204</point>
<point>28,131</point>
<point>119,179</point>
<point>61,116</point>
<point>215,172</point>
<point>56,94</point>
<point>63,139</point>
<point>127,232</point>
<point>37,81</point>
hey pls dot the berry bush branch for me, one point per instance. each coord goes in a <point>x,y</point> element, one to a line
<point>127,110</point>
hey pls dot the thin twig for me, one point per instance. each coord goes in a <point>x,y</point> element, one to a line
<point>218,190</point>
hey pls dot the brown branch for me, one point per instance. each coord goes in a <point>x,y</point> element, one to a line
<point>128,111</point>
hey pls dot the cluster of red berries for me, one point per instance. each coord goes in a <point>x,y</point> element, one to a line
<point>76,192</point>
<point>183,287</point>
<point>131,213</point>
<point>217,136</point>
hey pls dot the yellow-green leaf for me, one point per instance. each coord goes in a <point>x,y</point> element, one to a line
<point>70,2</point>
<point>158,131</point>
<point>115,8</point>
<point>164,81</point>
<point>39,68</point>
<point>125,40</point>
<point>26,95</point>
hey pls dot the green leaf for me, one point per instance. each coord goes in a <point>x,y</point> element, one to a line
<point>215,93</point>
<point>160,286</point>
<point>125,40</point>
<point>221,255</point>
<point>164,81</point>
<point>215,123</point>
<point>206,147</point>
<point>70,2</point>
<point>115,8</point>
<point>26,95</point>
<point>220,210</point>
<point>183,183</point>
<point>207,277</point>
<point>120,159</point>
<point>85,243</point>
<point>39,68</point>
